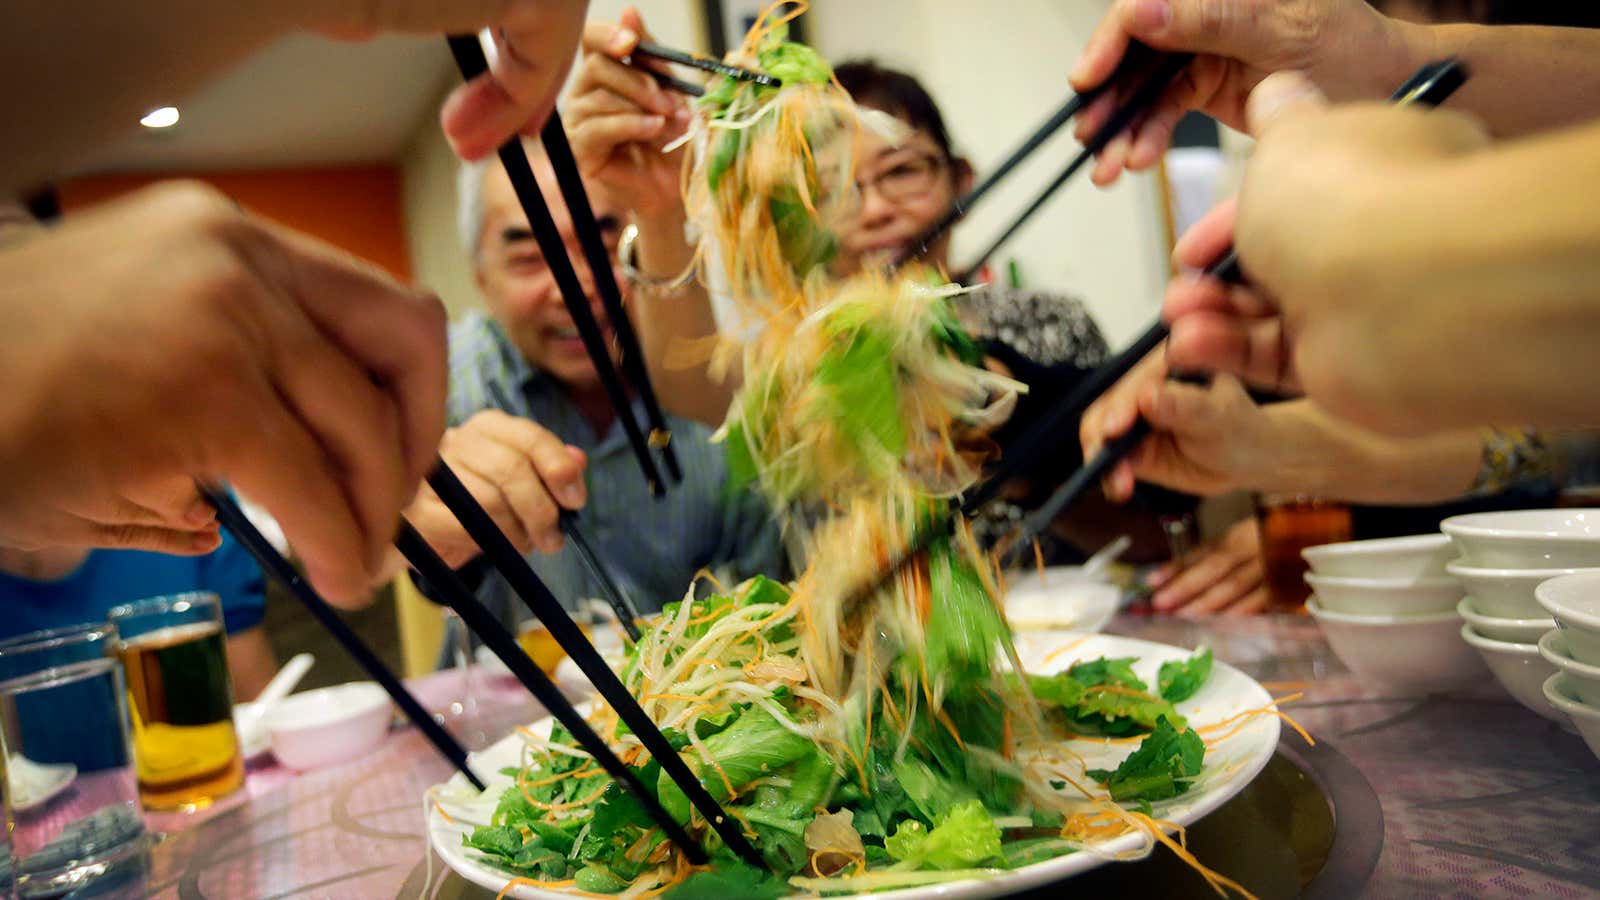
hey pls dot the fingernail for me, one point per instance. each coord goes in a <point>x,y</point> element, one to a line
<point>624,40</point>
<point>200,512</point>
<point>570,496</point>
<point>1152,15</point>
<point>656,122</point>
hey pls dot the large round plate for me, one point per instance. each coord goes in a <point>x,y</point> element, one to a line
<point>1230,765</point>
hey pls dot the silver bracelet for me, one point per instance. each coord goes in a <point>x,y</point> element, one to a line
<point>627,251</point>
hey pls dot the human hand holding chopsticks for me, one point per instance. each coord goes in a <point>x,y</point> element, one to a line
<point>506,462</point>
<point>1318,311</point>
<point>618,118</point>
<point>1345,45</point>
<point>193,342</point>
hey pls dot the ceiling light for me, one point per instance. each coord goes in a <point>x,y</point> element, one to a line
<point>165,117</point>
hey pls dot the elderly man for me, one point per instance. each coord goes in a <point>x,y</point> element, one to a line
<point>526,406</point>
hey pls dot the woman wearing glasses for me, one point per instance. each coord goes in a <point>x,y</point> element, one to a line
<point>618,118</point>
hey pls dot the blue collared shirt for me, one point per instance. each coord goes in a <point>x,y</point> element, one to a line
<point>652,547</point>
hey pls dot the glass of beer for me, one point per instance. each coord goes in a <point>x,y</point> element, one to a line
<point>174,655</point>
<point>66,768</point>
<point>1290,523</point>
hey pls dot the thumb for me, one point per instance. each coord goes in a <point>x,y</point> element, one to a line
<point>1281,96</point>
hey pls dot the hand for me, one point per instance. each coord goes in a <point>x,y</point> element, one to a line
<point>503,460</point>
<point>533,40</point>
<point>1203,440</point>
<point>169,338</point>
<point>1340,43</point>
<point>1225,577</point>
<point>1305,242</point>
<point>618,118</point>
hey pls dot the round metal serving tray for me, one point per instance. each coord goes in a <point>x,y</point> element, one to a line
<point>1308,826</point>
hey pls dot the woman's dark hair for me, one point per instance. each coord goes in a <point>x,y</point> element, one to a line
<point>897,93</point>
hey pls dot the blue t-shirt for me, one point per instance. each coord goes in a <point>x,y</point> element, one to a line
<point>108,578</point>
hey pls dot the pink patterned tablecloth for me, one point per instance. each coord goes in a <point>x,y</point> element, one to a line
<point>1479,798</point>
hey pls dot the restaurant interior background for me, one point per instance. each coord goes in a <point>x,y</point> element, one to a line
<point>342,141</point>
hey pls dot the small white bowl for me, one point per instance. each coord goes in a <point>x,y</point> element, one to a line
<point>1508,593</point>
<point>1417,556</point>
<point>1419,652</point>
<point>1514,631</point>
<point>1385,596</point>
<point>1558,690</point>
<point>1574,600</point>
<point>1527,538</point>
<point>1584,678</point>
<point>1520,669</point>
<point>328,725</point>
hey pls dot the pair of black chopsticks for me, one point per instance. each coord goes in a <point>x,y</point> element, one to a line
<point>470,60</point>
<point>1431,85</point>
<point>648,50</point>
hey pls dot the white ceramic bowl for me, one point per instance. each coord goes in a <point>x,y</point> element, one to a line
<point>1385,596</point>
<point>1574,600</point>
<point>1418,652</point>
<point>1584,678</point>
<point>1558,690</point>
<point>1417,556</point>
<point>328,725</point>
<point>1527,538</point>
<point>1507,593</point>
<point>1519,668</point>
<point>1495,628</point>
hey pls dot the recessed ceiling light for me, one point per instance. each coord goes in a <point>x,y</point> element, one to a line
<point>165,117</point>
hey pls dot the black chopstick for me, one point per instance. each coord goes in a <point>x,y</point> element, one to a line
<point>1430,86</point>
<point>567,521</point>
<point>548,610</point>
<point>673,84</point>
<point>270,560</point>
<point>1137,56</point>
<point>445,585</point>
<point>605,281</point>
<point>704,63</point>
<point>1145,97</point>
<point>470,60</point>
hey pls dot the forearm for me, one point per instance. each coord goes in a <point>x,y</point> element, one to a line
<point>1315,453</point>
<point>1463,294</point>
<point>676,326</point>
<point>1524,78</point>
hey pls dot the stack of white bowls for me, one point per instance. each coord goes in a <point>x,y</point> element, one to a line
<point>1506,557</point>
<point>1573,648</point>
<point>1388,609</point>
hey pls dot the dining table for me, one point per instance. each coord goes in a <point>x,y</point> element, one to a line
<point>1402,794</point>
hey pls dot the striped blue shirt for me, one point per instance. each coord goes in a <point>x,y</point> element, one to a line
<point>652,547</point>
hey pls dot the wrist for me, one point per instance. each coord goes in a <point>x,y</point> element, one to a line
<point>1376,55</point>
<point>661,251</point>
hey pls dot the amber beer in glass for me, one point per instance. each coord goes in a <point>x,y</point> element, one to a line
<point>1290,523</point>
<point>174,655</point>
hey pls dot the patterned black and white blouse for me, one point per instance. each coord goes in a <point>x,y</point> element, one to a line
<point>1049,329</point>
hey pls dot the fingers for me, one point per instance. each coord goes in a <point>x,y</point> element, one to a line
<point>1205,570</point>
<point>1280,97</point>
<point>1238,588</point>
<point>1105,49</point>
<point>1208,240</point>
<point>480,115</point>
<point>603,74</point>
<point>152,538</point>
<point>594,139</point>
<point>1257,351</point>
<point>558,465</point>
<point>395,333</point>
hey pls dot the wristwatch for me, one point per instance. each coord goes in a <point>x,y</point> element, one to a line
<point>627,250</point>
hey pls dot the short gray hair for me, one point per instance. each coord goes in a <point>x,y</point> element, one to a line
<point>470,209</point>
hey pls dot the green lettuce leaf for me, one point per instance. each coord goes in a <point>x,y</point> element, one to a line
<point>1181,679</point>
<point>1162,768</point>
<point>964,837</point>
<point>1108,671</point>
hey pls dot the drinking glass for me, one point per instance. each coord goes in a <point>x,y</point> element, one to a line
<point>69,788</point>
<point>174,653</point>
<point>1290,523</point>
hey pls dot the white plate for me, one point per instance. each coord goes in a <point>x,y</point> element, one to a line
<point>1061,600</point>
<point>35,784</point>
<point>1229,766</point>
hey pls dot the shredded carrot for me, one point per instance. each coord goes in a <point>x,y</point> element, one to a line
<point>1063,650</point>
<point>440,810</point>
